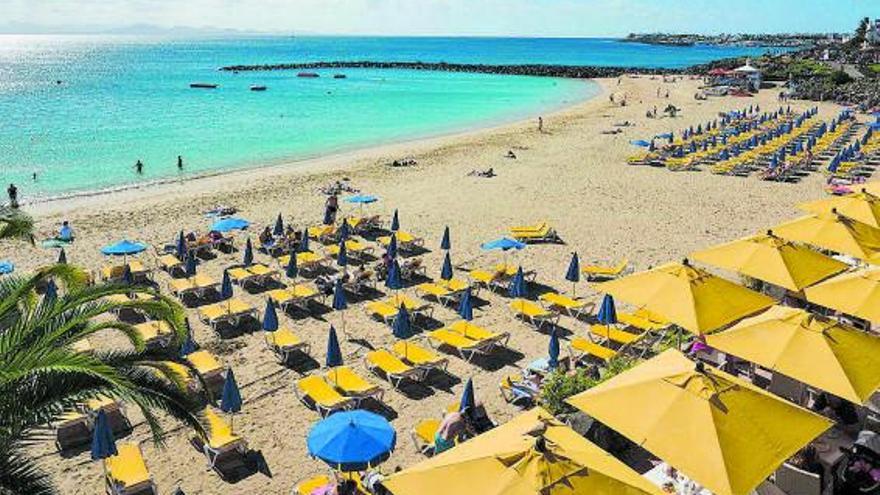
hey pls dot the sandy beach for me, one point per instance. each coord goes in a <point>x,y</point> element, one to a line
<point>571,175</point>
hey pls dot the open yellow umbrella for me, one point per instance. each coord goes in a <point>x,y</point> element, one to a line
<point>856,293</point>
<point>872,187</point>
<point>862,206</point>
<point>689,297</point>
<point>532,454</point>
<point>722,432</point>
<point>836,233</point>
<point>818,351</point>
<point>773,260</point>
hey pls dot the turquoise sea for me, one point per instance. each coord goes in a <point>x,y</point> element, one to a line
<point>80,110</point>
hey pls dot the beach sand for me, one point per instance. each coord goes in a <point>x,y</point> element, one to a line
<point>571,175</point>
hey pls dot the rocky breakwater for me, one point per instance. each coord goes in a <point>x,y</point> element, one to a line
<point>541,70</point>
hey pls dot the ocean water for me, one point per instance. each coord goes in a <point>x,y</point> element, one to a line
<point>123,99</point>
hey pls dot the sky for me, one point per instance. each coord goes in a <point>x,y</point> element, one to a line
<point>445,17</point>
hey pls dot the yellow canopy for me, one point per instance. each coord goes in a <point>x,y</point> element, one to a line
<point>687,296</point>
<point>855,293</point>
<point>836,233</point>
<point>773,260</point>
<point>532,454</point>
<point>817,351</point>
<point>872,187</point>
<point>862,206</point>
<point>722,432</point>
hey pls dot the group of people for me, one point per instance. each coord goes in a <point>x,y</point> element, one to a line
<point>139,165</point>
<point>461,425</point>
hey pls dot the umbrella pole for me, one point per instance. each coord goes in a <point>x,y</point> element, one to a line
<point>574,290</point>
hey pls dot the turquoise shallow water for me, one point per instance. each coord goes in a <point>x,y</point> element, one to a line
<point>123,99</point>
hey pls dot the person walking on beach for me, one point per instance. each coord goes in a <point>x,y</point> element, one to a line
<point>332,207</point>
<point>179,163</point>
<point>12,191</point>
<point>139,167</point>
<point>540,124</point>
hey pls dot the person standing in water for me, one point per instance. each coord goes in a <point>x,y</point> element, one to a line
<point>12,192</point>
<point>179,163</point>
<point>139,167</point>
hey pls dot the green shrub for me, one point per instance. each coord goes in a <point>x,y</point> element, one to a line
<point>840,77</point>
<point>559,386</point>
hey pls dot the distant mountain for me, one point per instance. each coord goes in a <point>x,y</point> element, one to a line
<point>132,29</point>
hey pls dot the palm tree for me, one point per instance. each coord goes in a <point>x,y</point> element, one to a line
<point>42,376</point>
<point>15,224</point>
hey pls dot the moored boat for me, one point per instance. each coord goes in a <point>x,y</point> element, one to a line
<point>308,74</point>
<point>198,85</point>
<point>258,88</point>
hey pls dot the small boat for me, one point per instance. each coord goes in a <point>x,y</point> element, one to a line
<point>203,85</point>
<point>339,76</point>
<point>258,88</point>
<point>308,74</point>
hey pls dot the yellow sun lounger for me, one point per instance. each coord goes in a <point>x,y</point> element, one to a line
<point>423,434</point>
<point>405,241</point>
<point>564,304</point>
<point>643,320</point>
<point>219,439</point>
<point>610,333</point>
<point>382,362</point>
<point>581,348</point>
<point>315,392</point>
<point>155,334</point>
<point>307,487</point>
<point>353,385</point>
<point>257,274</point>
<point>169,263</point>
<point>475,332</point>
<point>465,347</point>
<point>605,272</point>
<point>198,284</point>
<point>298,296</point>
<point>306,261</point>
<point>415,307</point>
<point>532,313</point>
<point>323,233</point>
<point>116,272</point>
<point>489,279</point>
<point>541,232</point>
<point>284,342</point>
<point>207,366</point>
<point>418,356</point>
<point>126,472</point>
<point>230,311</point>
<point>353,248</point>
<point>381,310</point>
<point>516,390</point>
<point>441,294</point>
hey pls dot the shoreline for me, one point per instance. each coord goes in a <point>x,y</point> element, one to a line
<point>317,162</point>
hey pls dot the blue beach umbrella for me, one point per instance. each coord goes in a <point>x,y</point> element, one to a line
<point>344,230</point>
<point>6,267</point>
<point>334,353</point>
<point>395,222</point>
<point>573,274</point>
<point>640,142</point>
<point>361,199</point>
<point>328,216</point>
<point>339,302</point>
<point>292,270</point>
<point>181,246</point>
<point>103,443</point>
<point>124,248</point>
<point>304,243</point>
<point>392,246</point>
<point>190,266</point>
<point>401,327</point>
<point>230,224</point>
<point>466,306</point>
<point>248,259</point>
<point>226,286</point>
<point>517,288</point>
<point>503,244</point>
<point>342,256</point>
<point>230,398</point>
<point>270,317</point>
<point>553,350</point>
<point>446,271</point>
<point>467,397</point>
<point>51,292</point>
<point>189,345</point>
<point>607,312</point>
<point>279,226</point>
<point>393,280</point>
<point>446,242</point>
<point>352,440</point>
<point>62,257</point>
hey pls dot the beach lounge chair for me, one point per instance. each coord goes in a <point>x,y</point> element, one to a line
<point>231,311</point>
<point>541,232</point>
<point>405,241</point>
<point>438,292</point>
<point>72,430</point>
<point>381,362</point>
<point>278,247</point>
<point>643,320</point>
<point>170,263</point>
<point>112,408</point>
<point>597,272</point>
<point>605,333</point>
<point>298,296</point>
<point>491,280</point>
<point>308,262</point>
<point>582,348</point>
<point>566,305</point>
<point>255,275</point>
<point>533,313</point>
<point>218,439</point>
<point>126,473</point>
<point>284,342</point>
<point>322,233</point>
<point>516,390</point>
<point>359,281</point>
<point>208,367</point>
<point>355,249</point>
<point>115,273</point>
<point>413,268</point>
<point>155,334</point>
<point>465,347</point>
<point>315,392</point>
<point>423,434</point>
<point>381,310</point>
<point>457,285</point>
<point>418,356</point>
<point>475,332</point>
<point>199,285</point>
<point>308,487</point>
<point>415,307</point>
<point>353,385</point>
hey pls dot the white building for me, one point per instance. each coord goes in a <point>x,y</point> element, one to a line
<point>752,75</point>
<point>873,34</point>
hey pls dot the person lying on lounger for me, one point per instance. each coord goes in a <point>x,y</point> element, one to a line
<point>488,173</point>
